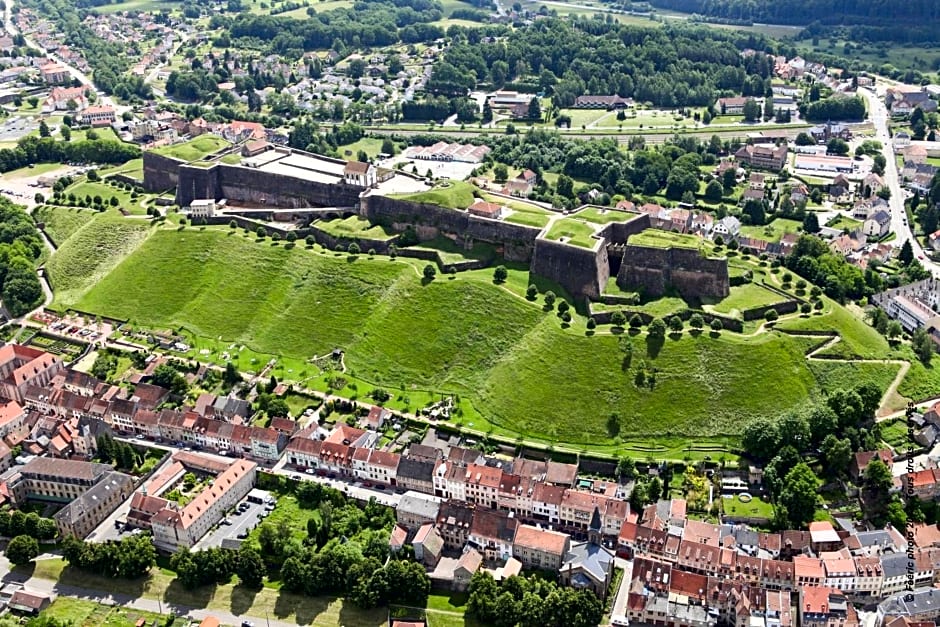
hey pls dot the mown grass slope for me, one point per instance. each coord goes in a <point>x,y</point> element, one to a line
<point>521,370</point>
<point>61,222</point>
<point>91,252</point>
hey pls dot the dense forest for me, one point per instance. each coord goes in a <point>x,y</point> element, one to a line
<point>20,246</point>
<point>801,12</point>
<point>672,66</point>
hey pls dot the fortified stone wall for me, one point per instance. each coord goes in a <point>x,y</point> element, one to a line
<point>655,270</point>
<point>620,232</point>
<point>258,187</point>
<point>160,173</point>
<point>580,271</point>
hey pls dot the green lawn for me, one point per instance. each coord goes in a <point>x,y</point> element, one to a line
<point>91,252</point>
<point>355,226</point>
<point>858,338</point>
<point>371,145</point>
<point>194,149</point>
<point>574,232</point>
<point>140,6</point>
<point>604,216</point>
<point>747,296</point>
<point>757,507</point>
<point>774,231</point>
<point>61,222</point>
<point>452,194</point>
<point>844,223</point>
<point>133,168</point>
<point>450,252</point>
<point>895,433</point>
<point>288,511</point>
<point>654,238</point>
<point>527,218</point>
<point>508,359</point>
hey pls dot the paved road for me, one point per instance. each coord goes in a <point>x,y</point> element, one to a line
<point>879,116</point>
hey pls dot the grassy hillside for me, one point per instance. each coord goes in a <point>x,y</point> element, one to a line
<point>513,361</point>
<point>61,222</point>
<point>91,252</point>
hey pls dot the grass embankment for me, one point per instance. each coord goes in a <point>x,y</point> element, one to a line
<point>664,239</point>
<point>453,195</point>
<point>747,296</point>
<point>61,222</point>
<point>574,232</point>
<point>355,226</point>
<point>91,252</point>
<point>517,370</point>
<point>194,149</point>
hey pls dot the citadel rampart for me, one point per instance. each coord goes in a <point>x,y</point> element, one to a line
<point>654,270</point>
<point>160,173</point>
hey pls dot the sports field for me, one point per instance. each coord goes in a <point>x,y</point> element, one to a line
<point>515,367</point>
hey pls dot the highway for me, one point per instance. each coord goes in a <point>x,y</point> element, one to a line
<point>878,113</point>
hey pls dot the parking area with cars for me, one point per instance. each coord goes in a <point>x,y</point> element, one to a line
<point>239,522</point>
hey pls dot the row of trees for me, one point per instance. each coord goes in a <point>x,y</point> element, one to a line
<point>129,558</point>
<point>530,602</point>
<point>217,565</point>
<point>16,523</point>
<point>33,149</point>
<point>121,454</point>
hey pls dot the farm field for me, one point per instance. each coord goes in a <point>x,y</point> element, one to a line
<point>516,369</point>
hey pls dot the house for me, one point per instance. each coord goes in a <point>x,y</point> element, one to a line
<point>376,418</point>
<point>823,536</point>
<point>416,509</point>
<point>825,607</point>
<point>428,545</point>
<point>761,156</point>
<point>201,208</point>
<point>483,209</point>
<point>728,228</point>
<point>26,602</point>
<point>359,173</point>
<point>602,102</point>
<point>861,460</point>
<point>540,549</point>
<point>516,187</point>
<point>23,366</point>
<point>254,148</point>
<point>492,532</point>
<point>821,163</point>
<point>878,224</point>
<point>468,564</point>
<point>731,106</point>
<point>97,116</point>
<point>54,74</point>
<point>65,98</point>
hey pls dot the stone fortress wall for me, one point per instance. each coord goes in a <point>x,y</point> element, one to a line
<point>583,272</point>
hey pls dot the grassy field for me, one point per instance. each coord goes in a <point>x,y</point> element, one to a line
<point>107,192</point>
<point>575,232</point>
<point>91,252</point>
<point>858,339</point>
<point>527,218</point>
<point>757,507</point>
<point>139,6</point>
<point>61,222</point>
<point>371,145</point>
<point>288,511</point>
<point>844,223</point>
<point>604,216</point>
<point>747,296</point>
<point>774,231</point>
<point>195,149</point>
<point>653,238</point>
<point>133,168</point>
<point>895,433</point>
<point>81,613</point>
<point>507,358</point>
<point>354,226</point>
<point>454,194</point>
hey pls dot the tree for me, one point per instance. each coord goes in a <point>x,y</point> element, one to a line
<point>65,132</point>
<point>591,325</point>
<point>752,110</point>
<point>714,191</point>
<point>760,439</point>
<point>798,495</point>
<point>655,489</point>
<point>906,255</point>
<point>166,376</point>
<point>388,147</point>
<point>636,321</point>
<point>535,109</point>
<point>500,173</point>
<point>429,272</point>
<point>550,299</point>
<point>613,425</point>
<point>675,324</point>
<point>22,550</point>
<point>876,487</point>
<point>836,454</point>
<point>261,232</point>
<point>250,568</point>
<point>626,468</point>
<point>564,186</point>
<point>231,376</point>
<point>811,222</point>
<point>657,328</point>
<point>500,274</point>
<point>837,146</point>
<point>531,292</point>
<point>618,319</point>
<point>353,248</point>
<point>923,346</point>
<point>729,178</point>
<point>804,139</point>
<point>696,321</point>
<point>893,330</point>
<point>563,307</point>
<point>716,325</point>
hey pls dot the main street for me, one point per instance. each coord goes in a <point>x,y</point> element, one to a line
<point>878,113</point>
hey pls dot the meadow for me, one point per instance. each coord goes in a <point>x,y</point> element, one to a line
<point>517,369</point>
<point>194,149</point>
<point>61,222</point>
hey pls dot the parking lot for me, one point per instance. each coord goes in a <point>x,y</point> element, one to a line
<point>246,516</point>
